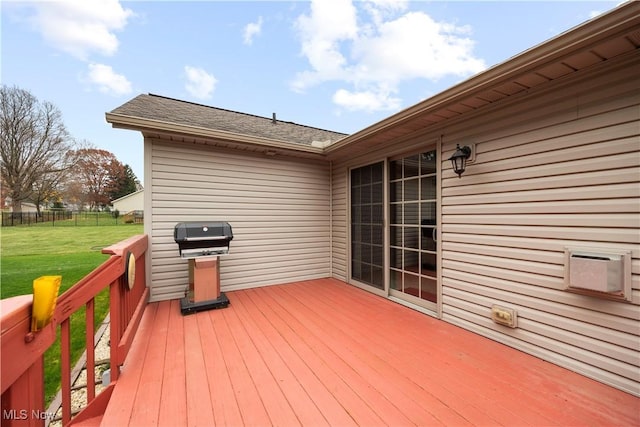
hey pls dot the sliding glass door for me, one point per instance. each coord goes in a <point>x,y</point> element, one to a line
<point>403,265</point>
<point>413,227</point>
<point>367,225</point>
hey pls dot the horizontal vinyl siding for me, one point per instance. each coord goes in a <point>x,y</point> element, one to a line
<point>557,167</point>
<point>278,209</point>
<point>561,169</point>
<point>339,224</point>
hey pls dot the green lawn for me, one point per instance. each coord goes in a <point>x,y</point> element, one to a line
<point>27,253</point>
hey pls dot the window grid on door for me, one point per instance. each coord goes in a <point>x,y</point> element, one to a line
<point>367,224</point>
<point>412,229</point>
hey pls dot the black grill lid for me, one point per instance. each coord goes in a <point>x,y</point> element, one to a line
<point>202,231</point>
<point>202,238</point>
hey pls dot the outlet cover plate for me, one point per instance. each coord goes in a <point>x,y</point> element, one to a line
<point>504,316</point>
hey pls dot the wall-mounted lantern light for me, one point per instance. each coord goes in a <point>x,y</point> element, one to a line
<point>459,159</point>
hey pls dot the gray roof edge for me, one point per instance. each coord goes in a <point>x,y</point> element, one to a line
<point>244,114</point>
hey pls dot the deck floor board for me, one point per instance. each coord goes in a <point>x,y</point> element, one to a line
<point>306,412</point>
<point>222,396</point>
<point>172,411</point>
<point>308,370</point>
<point>325,353</point>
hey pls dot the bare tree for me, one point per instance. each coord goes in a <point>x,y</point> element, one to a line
<point>50,187</point>
<point>34,143</point>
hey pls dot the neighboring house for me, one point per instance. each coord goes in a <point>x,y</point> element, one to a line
<point>25,207</point>
<point>130,202</point>
<point>553,181</point>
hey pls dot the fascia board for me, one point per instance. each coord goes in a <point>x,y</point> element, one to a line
<point>600,29</point>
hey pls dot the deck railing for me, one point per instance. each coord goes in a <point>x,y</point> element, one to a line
<point>22,354</point>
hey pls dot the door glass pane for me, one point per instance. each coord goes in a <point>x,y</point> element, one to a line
<point>411,237</point>
<point>411,215</point>
<point>396,258</point>
<point>395,236</point>
<point>411,284</point>
<point>411,189</point>
<point>377,274</point>
<point>428,222</point>
<point>395,280</point>
<point>396,213</point>
<point>411,259</point>
<point>428,238</point>
<point>377,213</point>
<point>428,163</point>
<point>411,166</point>
<point>365,174</point>
<point>428,289</point>
<point>428,213</point>
<point>366,272</point>
<point>413,211</point>
<point>396,191</point>
<point>395,169</point>
<point>428,264</point>
<point>428,188</point>
<point>367,219</point>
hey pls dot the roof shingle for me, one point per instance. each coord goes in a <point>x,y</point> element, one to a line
<point>155,107</point>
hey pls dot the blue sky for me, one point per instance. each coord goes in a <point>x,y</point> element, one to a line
<point>334,64</point>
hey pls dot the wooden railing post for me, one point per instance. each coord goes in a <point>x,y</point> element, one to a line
<point>22,365</point>
<point>65,363</point>
<point>23,403</point>
<point>89,340</point>
<point>114,331</point>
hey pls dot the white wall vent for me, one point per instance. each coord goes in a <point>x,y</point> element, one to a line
<point>604,272</point>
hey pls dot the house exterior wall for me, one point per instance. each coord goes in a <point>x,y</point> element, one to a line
<point>557,167</point>
<point>131,202</point>
<point>278,208</point>
<point>26,207</point>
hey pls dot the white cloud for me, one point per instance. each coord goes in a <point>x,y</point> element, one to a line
<point>371,50</point>
<point>379,9</point>
<point>369,101</point>
<point>321,33</point>
<point>200,84</point>
<point>415,46</point>
<point>81,27</point>
<point>107,80</point>
<point>251,30</point>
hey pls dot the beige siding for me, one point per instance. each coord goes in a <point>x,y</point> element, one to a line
<point>278,209</point>
<point>339,223</point>
<point>560,169</point>
<point>131,202</point>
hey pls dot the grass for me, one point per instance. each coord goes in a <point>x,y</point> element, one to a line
<point>28,252</point>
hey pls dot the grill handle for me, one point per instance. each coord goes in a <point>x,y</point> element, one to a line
<point>196,239</point>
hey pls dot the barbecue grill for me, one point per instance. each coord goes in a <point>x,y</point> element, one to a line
<point>201,243</point>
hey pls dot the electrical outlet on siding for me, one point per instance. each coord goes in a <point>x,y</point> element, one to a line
<point>504,316</point>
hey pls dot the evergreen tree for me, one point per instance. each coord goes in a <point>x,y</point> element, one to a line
<point>126,183</point>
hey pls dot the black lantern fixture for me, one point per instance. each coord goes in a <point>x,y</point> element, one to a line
<point>459,159</point>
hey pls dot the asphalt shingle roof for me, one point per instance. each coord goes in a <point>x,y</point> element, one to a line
<point>155,107</point>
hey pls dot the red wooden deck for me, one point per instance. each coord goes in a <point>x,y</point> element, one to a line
<point>325,353</point>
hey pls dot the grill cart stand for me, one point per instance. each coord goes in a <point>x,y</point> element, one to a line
<point>202,243</point>
<point>204,286</point>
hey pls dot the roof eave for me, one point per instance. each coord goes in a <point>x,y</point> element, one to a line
<point>597,29</point>
<point>143,125</point>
